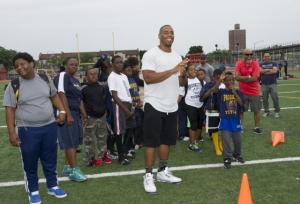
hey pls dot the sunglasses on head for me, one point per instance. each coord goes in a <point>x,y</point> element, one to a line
<point>249,54</point>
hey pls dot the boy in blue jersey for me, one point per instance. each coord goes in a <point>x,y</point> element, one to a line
<point>212,108</point>
<point>137,104</point>
<point>231,102</point>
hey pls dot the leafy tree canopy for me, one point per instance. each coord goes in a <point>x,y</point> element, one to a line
<point>195,49</point>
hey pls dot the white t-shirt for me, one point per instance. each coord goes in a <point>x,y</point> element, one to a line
<point>119,83</point>
<point>163,95</point>
<point>193,93</point>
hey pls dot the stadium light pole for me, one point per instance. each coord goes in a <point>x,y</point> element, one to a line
<point>254,48</point>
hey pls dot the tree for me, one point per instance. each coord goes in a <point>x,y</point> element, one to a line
<point>218,56</point>
<point>6,56</point>
<point>195,49</point>
<point>142,52</point>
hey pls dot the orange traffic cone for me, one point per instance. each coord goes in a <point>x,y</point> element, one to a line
<point>277,137</point>
<point>245,194</point>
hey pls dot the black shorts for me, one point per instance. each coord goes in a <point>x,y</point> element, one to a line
<point>196,116</point>
<point>121,123</point>
<point>159,127</point>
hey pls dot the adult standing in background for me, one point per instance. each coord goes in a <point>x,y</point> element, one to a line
<point>268,71</point>
<point>163,71</point>
<point>102,64</point>
<point>285,65</point>
<point>247,73</point>
<point>70,134</point>
<point>207,67</point>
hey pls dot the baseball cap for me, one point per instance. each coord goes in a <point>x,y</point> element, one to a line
<point>105,57</point>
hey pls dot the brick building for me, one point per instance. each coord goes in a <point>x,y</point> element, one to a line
<point>237,38</point>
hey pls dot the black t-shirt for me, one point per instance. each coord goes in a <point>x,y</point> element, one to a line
<point>93,99</point>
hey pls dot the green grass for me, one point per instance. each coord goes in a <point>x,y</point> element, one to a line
<point>270,183</point>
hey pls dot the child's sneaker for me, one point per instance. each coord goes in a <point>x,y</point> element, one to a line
<point>77,175</point>
<point>124,162</point>
<point>66,170</point>
<point>96,162</point>
<point>194,147</point>
<point>112,155</point>
<point>238,158</point>
<point>227,163</point>
<point>34,198</point>
<point>57,192</point>
<point>106,159</point>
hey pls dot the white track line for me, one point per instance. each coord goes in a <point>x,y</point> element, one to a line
<point>179,168</point>
<point>288,92</point>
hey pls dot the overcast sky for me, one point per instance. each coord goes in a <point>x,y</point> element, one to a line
<point>40,26</point>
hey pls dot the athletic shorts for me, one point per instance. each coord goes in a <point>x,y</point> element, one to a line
<point>254,102</point>
<point>212,121</point>
<point>121,123</point>
<point>159,127</point>
<point>196,116</point>
<point>70,136</point>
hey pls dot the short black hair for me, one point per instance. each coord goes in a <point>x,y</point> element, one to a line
<point>65,62</point>
<point>115,57</point>
<point>203,70</point>
<point>163,27</point>
<point>133,61</point>
<point>24,56</point>
<point>86,71</point>
<point>188,66</point>
<point>125,65</point>
<point>228,73</point>
<point>266,52</point>
<point>217,72</point>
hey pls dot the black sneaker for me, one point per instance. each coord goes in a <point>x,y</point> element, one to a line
<point>124,162</point>
<point>200,139</point>
<point>238,158</point>
<point>257,131</point>
<point>227,163</point>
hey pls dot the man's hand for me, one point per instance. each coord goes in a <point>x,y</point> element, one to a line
<point>14,140</point>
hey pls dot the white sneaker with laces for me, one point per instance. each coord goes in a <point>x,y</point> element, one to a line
<point>276,115</point>
<point>166,176</point>
<point>149,185</point>
<point>266,114</point>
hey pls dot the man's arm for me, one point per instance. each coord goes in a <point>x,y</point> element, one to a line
<point>269,71</point>
<point>152,77</point>
<point>249,78</point>
<point>119,103</point>
<point>10,122</point>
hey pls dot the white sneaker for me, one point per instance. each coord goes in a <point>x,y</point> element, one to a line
<point>266,114</point>
<point>166,176</point>
<point>276,115</point>
<point>186,138</point>
<point>149,185</point>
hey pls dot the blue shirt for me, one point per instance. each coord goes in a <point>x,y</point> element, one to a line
<point>268,79</point>
<point>229,108</point>
<point>71,87</point>
<point>135,97</point>
<point>211,102</point>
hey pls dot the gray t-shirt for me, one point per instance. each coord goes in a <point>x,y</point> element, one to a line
<point>34,105</point>
<point>208,69</point>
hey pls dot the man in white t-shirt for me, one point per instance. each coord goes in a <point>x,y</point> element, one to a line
<point>163,72</point>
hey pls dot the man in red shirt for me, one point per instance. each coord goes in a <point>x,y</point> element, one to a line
<point>247,74</point>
